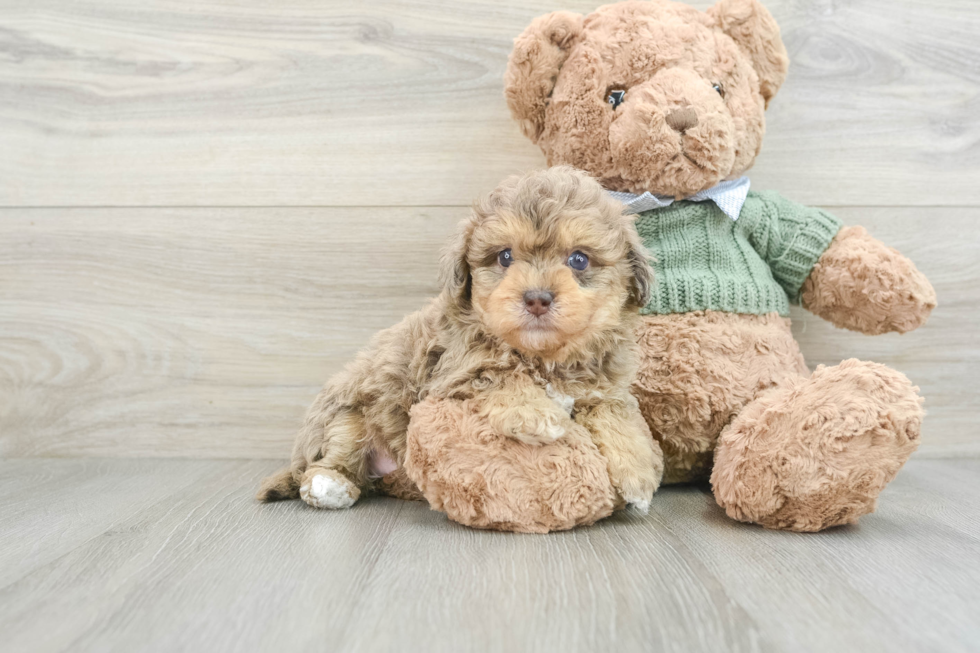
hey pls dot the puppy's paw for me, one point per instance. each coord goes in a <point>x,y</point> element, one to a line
<point>641,506</point>
<point>324,488</point>
<point>636,489</point>
<point>530,426</point>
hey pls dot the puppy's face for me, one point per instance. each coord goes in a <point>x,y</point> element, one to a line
<point>551,264</point>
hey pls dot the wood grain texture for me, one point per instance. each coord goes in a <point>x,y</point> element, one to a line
<point>291,102</point>
<point>200,566</point>
<point>207,332</point>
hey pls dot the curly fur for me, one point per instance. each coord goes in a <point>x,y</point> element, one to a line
<point>862,285</point>
<point>817,451</point>
<point>478,344</point>
<point>483,480</point>
<point>698,370</point>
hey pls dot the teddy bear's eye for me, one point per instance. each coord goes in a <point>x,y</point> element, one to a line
<point>720,89</point>
<point>615,98</point>
<point>505,258</point>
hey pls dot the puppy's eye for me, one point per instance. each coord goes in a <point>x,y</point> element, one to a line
<point>615,97</point>
<point>720,89</point>
<point>578,261</point>
<point>505,258</point>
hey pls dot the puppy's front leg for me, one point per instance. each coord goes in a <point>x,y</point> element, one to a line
<point>522,410</point>
<point>636,463</point>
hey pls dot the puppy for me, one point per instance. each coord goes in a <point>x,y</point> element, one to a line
<point>535,323</point>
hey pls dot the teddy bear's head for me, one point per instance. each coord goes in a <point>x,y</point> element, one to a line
<point>649,95</point>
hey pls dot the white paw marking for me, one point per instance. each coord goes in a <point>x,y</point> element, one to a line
<point>324,492</point>
<point>642,506</point>
<point>565,402</point>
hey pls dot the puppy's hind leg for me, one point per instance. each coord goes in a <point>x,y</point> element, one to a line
<point>335,466</point>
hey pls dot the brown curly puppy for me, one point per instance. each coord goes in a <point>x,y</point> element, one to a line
<point>534,328</point>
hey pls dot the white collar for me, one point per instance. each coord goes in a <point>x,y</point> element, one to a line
<point>728,195</point>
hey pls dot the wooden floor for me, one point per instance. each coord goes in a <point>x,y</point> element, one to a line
<point>174,555</point>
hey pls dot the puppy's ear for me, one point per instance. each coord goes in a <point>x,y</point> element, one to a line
<point>454,270</point>
<point>639,260</point>
<point>756,33</point>
<point>533,66</point>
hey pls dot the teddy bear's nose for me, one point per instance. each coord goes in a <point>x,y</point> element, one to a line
<point>682,119</point>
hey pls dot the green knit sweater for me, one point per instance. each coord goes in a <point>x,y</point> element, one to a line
<point>704,260</point>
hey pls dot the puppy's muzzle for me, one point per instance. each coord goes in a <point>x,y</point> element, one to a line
<point>538,302</point>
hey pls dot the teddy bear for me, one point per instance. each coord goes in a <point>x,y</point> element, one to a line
<point>665,105</point>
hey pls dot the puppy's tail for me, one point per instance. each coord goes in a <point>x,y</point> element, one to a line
<point>278,487</point>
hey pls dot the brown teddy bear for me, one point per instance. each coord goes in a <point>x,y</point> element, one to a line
<point>665,105</point>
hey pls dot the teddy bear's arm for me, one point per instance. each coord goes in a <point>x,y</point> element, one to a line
<point>862,285</point>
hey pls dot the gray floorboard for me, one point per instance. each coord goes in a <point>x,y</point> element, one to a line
<point>174,555</point>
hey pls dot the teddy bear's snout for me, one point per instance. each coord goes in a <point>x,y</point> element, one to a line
<point>673,133</point>
<point>682,119</point>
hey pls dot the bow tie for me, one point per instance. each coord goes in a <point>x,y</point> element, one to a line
<point>728,195</point>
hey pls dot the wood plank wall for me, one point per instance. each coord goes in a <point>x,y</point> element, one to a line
<point>207,207</point>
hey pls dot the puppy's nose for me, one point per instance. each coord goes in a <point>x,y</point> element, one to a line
<point>538,302</point>
<point>682,119</point>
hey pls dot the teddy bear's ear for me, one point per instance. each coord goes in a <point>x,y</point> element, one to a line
<point>755,31</point>
<point>533,67</point>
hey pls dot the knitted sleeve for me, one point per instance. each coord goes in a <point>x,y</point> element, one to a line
<point>791,238</point>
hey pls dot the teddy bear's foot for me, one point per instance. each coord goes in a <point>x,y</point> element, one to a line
<point>328,488</point>
<point>816,452</point>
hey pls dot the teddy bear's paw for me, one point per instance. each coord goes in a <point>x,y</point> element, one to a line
<point>328,489</point>
<point>530,426</point>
